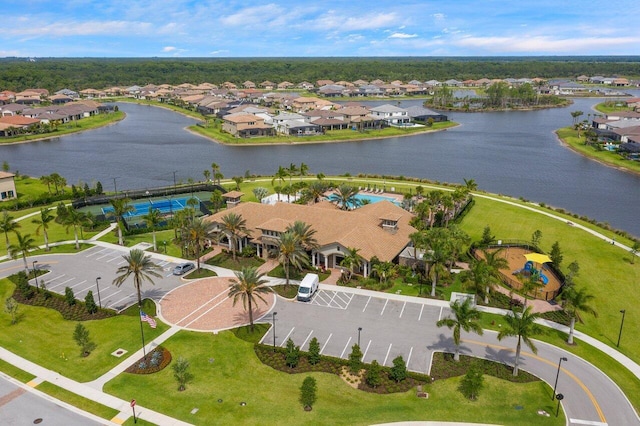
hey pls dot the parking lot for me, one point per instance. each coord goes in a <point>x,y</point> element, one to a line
<point>388,327</point>
<point>80,272</point>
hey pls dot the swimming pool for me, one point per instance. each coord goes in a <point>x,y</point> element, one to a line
<point>164,206</point>
<point>367,198</point>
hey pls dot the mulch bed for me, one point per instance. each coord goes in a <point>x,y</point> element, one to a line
<point>155,361</point>
<point>444,367</point>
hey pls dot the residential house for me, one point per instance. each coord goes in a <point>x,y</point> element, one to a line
<point>305,85</point>
<point>244,125</point>
<point>249,84</point>
<point>267,85</point>
<point>321,83</point>
<point>392,115</point>
<point>7,186</point>
<point>419,113</point>
<point>285,85</point>
<point>379,230</point>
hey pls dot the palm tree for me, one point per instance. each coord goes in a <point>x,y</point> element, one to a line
<point>7,224</point>
<point>352,260</point>
<point>216,200</point>
<point>248,285</point>
<point>576,301</point>
<point>218,176</point>
<point>304,233</point>
<point>465,317</point>
<point>120,206</point>
<point>153,219</point>
<point>207,175</point>
<point>196,232</point>
<point>280,175</point>
<point>292,170</point>
<point>530,284</point>
<point>43,223</point>
<point>383,270</point>
<point>316,190</point>
<point>303,170</point>
<point>24,243</point>
<point>495,262</point>
<point>345,197</point>
<point>470,184</point>
<point>141,267</point>
<point>47,181</point>
<point>238,180</point>
<point>215,168</point>
<point>523,326</point>
<point>477,277</point>
<point>74,218</point>
<point>437,259</point>
<point>290,252</point>
<point>232,226</point>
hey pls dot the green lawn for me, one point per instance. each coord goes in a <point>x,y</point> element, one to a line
<point>570,137</point>
<point>78,401</point>
<point>15,372</point>
<point>52,346</point>
<point>236,375</point>
<point>225,260</point>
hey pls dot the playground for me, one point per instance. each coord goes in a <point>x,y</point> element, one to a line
<point>520,265</point>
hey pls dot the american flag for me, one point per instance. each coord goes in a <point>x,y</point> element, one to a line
<point>147,318</point>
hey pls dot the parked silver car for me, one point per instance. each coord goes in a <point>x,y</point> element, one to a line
<point>183,268</point>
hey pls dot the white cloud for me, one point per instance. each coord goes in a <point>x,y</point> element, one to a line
<point>218,52</point>
<point>373,21</point>
<point>403,35</point>
<point>168,49</point>
<point>544,44</point>
<point>439,16</point>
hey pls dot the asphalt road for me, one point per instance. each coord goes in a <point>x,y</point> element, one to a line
<point>407,327</point>
<point>19,406</point>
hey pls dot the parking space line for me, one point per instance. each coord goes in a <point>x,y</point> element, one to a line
<point>384,307</point>
<point>124,298</point>
<point>345,347</point>
<point>346,300</point>
<point>168,275</point>
<point>387,356</point>
<point>121,263</point>
<point>103,256</point>
<point>366,350</point>
<point>420,316</point>
<point>409,357</point>
<point>320,295</point>
<point>62,283</point>
<point>440,314</point>
<point>76,285</point>
<point>349,302</point>
<point>334,296</point>
<point>325,343</point>
<point>287,337</point>
<point>58,277</point>
<point>86,288</point>
<point>117,257</point>
<point>402,311</point>
<point>305,340</point>
<point>366,304</point>
<point>96,252</point>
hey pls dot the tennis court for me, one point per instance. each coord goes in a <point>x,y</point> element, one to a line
<point>141,208</point>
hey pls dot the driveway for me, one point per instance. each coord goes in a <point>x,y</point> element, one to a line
<point>393,325</point>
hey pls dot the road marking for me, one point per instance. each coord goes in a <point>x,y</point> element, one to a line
<point>402,311</point>
<point>201,307</point>
<point>387,356</point>
<point>334,296</point>
<point>287,337</point>
<point>420,316</point>
<point>117,257</point>
<point>124,298</point>
<point>568,373</point>
<point>96,252</point>
<point>366,350</point>
<point>366,304</point>
<point>76,285</point>
<point>63,282</point>
<point>168,275</point>
<point>59,276</point>
<point>86,288</point>
<point>121,263</point>
<point>325,343</point>
<point>440,314</point>
<point>586,422</point>
<point>409,357</point>
<point>103,256</point>
<point>384,307</point>
<point>345,347</point>
<point>305,340</point>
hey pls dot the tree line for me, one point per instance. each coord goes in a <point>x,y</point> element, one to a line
<point>17,74</point>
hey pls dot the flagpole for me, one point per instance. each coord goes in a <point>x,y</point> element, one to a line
<point>144,354</point>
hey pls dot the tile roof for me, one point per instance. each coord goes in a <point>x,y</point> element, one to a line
<point>359,228</point>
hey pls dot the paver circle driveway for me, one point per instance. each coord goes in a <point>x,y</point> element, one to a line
<point>392,325</point>
<point>203,305</point>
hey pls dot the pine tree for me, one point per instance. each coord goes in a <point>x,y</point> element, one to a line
<point>556,254</point>
<point>399,370</point>
<point>81,336</point>
<point>90,304</point>
<point>69,296</point>
<point>355,359</point>
<point>308,392</point>
<point>292,356</point>
<point>314,351</point>
<point>472,382</point>
<point>373,378</point>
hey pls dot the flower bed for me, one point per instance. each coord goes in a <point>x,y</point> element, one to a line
<point>443,367</point>
<point>155,361</point>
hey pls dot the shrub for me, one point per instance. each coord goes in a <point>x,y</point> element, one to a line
<point>11,307</point>
<point>69,297</point>
<point>373,378</point>
<point>89,303</point>
<point>399,370</point>
<point>308,392</point>
<point>314,351</point>
<point>355,359</point>
<point>292,356</point>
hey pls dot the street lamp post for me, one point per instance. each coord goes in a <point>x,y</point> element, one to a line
<point>559,397</point>
<point>555,385</point>
<point>35,273</point>
<point>622,311</point>
<point>98,287</point>
<point>359,331</point>
<point>274,330</point>
<point>115,186</point>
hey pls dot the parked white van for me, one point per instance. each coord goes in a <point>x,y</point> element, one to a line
<point>308,286</point>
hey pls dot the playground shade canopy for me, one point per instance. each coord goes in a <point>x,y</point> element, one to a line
<point>538,258</point>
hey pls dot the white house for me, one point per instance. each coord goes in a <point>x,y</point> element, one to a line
<point>392,115</point>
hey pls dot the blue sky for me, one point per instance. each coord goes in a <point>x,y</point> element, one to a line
<point>191,28</point>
